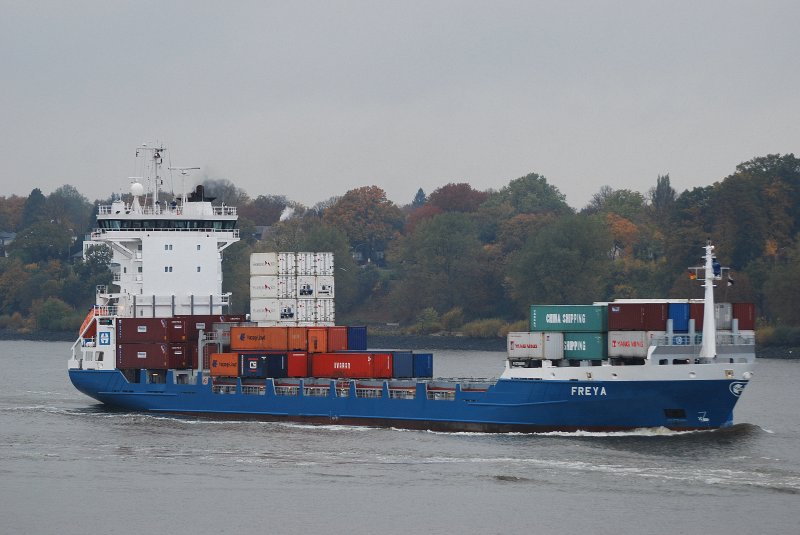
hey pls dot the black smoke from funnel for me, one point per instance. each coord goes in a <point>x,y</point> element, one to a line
<point>198,195</point>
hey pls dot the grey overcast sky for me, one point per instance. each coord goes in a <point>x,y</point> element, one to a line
<point>311,99</point>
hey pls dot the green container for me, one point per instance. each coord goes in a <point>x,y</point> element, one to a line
<point>586,346</point>
<point>569,318</point>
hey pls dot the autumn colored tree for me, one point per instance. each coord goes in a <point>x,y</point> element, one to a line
<point>11,212</point>
<point>457,198</point>
<point>367,217</point>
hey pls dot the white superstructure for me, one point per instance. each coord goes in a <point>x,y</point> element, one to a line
<point>166,253</point>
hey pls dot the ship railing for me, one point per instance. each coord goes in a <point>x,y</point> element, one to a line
<point>106,209</point>
<point>224,389</point>
<point>369,392</point>
<point>441,394</point>
<point>402,393</point>
<point>697,339</point>
<point>286,390</point>
<point>254,390</point>
<point>99,232</point>
<point>317,391</point>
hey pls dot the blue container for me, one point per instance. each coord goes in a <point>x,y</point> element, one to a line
<point>357,338</point>
<point>262,365</point>
<point>277,366</point>
<point>679,314</point>
<point>423,364</point>
<point>254,366</point>
<point>402,364</point>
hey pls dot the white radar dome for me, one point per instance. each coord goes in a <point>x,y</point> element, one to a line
<point>137,189</point>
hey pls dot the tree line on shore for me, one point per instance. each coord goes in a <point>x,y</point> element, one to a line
<point>458,259</point>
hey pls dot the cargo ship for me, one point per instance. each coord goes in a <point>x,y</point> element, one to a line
<point>162,340</point>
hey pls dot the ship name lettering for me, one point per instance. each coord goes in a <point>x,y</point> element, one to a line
<point>588,391</point>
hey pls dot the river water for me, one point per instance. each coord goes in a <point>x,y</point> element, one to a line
<point>69,466</point>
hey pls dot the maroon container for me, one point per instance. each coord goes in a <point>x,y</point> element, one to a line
<point>696,313</point>
<point>142,330</point>
<point>655,316</point>
<point>176,330</point>
<point>746,314</point>
<point>196,323</point>
<point>626,317</point>
<point>153,356</point>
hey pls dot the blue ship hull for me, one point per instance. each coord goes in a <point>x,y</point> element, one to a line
<point>507,405</point>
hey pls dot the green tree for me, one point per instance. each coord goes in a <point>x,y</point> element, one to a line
<point>34,209</point>
<point>419,199</point>
<point>567,262</point>
<point>531,194</point>
<point>42,241</point>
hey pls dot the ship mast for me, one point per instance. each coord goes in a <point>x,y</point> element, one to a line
<point>708,349</point>
<point>156,159</point>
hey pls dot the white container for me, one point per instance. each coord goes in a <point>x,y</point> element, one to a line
<point>632,343</point>
<point>264,310</point>
<point>324,264</point>
<point>306,287</point>
<point>306,310</point>
<point>723,315</point>
<point>264,264</point>
<point>325,286</point>
<point>306,263</point>
<point>535,345</point>
<point>287,287</point>
<point>287,264</point>
<point>264,287</point>
<point>326,312</point>
<point>287,309</point>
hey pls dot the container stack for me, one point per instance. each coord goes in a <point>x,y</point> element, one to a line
<point>154,343</point>
<point>621,329</point>
<point>632,326</point>
<point>573,332</point>
<point>292,289</point>
<point>321,351</point>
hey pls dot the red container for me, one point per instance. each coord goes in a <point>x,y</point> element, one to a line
<point>352,365</point>
<point>696,313</point>
<point>655,316</point>
<point>337,338</point>
<point>153,356</point>
<point>142,330</point>
<point>297,364</point>
<point>746,314</point>
<point>625,317</point>
<point>382,365</point>
<point>297,339</point>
